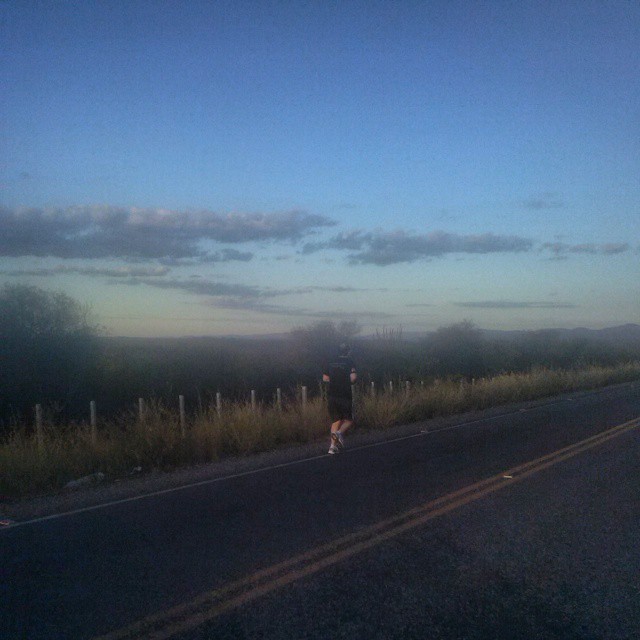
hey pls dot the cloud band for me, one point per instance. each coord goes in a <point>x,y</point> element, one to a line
<point>132,233</point>
<point>385,248</point>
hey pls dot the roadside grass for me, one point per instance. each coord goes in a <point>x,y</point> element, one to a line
<point>129,444</point>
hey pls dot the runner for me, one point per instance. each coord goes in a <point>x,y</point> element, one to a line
<point>339,375</point>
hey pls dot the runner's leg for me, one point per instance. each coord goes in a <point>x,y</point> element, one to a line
<point>345,424</point>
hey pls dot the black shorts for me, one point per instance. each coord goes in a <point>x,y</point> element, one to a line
<point>340,408</point>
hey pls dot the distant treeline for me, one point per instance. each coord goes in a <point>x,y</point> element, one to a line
<point>51,354</point>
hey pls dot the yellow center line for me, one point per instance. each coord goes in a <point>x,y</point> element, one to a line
<point>207,606</point>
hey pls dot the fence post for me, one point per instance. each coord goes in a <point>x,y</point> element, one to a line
<point>219,402</point>
<point>306,423</point>
<point>141,409</point>
<point>39,433</point>
<point>94,422</point>
<point>390,386</point>
<point>253,399</point>
<point>373,388</point>
<point>279,398</point>
<point>183,418</point>
<point>407,387</point>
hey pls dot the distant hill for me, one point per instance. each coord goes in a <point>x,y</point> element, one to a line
<point>623,335</point>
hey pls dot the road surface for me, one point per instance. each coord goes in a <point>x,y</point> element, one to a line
<point>515,523</point>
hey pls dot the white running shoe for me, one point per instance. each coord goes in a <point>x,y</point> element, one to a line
<point>333,449</point>
<point>338,440</point>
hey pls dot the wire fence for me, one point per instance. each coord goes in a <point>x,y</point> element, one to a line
<point>301,399</point>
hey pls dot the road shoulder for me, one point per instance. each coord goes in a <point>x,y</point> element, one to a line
<point>120,489</point>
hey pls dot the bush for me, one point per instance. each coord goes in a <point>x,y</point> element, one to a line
<point>47,348</point>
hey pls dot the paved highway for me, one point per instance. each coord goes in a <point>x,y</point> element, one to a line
<point>515,523</point>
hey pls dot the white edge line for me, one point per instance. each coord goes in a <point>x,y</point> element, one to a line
<point>160,492</point>
<point>104,505</point>
<point>152,494</point>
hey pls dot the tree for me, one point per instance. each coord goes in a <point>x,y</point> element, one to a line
<point>389,355</point>
<point>458,349</point>
<point>315,344</point>
<point>47,347</point>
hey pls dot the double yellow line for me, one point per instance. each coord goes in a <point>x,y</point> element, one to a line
<point>209,605</point>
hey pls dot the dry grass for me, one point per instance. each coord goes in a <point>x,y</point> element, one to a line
<point>157,442</point>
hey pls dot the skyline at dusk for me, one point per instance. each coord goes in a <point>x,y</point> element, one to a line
<point>235,168</point>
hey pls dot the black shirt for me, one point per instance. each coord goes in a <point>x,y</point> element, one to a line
<point>339,371</point>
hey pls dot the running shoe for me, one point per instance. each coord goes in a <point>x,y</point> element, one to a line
<point>338,440</point>
<point>333,449</point>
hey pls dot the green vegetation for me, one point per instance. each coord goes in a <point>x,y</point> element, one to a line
<point>158,442</point>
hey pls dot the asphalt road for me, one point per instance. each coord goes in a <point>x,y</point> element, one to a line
<point>521,523</point>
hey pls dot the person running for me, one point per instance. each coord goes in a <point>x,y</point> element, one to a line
<point>340,374</point>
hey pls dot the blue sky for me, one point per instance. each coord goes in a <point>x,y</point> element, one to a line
<point>195,168</point>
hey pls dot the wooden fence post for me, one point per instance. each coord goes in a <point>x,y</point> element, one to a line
<point>39,432</point>
<point>183,417</point>
<point>253,399</point>
<point>94,422</point>
<point>219,402</point>
<point>373,389</point>
<point>279,398</point>
<point>305,422</point>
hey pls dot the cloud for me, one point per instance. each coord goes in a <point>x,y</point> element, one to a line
<point>344,241</point>
<point>514,304</point>
<point>561,249</point>
<point>342,289</point>
<point>614,248</point>
<point>261,306</point>
<point>113,272</point>
<point>385,248</point>
<point>349,315</point>
<point>136,234</point>
<point>252,298</point>
<point>211,288</point>
<point>228,255</point>
<point>202,287</point>
<point>548,200</point>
